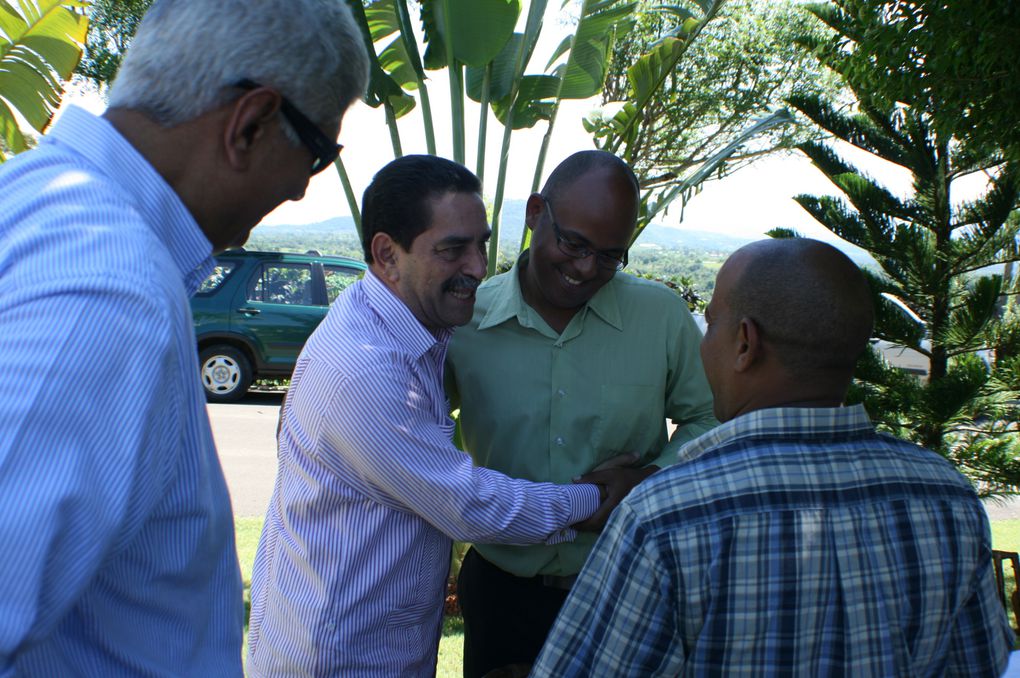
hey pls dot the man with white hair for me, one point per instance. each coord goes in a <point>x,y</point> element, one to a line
<point>115,520</point>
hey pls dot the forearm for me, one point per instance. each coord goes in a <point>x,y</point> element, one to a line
<point>402,457</point>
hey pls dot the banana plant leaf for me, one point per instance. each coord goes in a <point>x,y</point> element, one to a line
<point>41,42</point>
<point>536,99</point>
<point>478,30</point>
<point>389,72</point>
<point>502,74</point>
<point>584,72</point>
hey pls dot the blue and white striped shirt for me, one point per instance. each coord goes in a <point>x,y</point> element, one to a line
<point>350,573</point>
<point>115,522</point>
<point>792,542</point>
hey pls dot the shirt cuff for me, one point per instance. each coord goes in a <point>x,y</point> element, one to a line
<point>584,500</point>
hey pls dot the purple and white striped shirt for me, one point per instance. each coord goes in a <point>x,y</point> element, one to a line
<point>351,568</point>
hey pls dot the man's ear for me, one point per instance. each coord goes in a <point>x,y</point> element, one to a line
<point>749,346</point>
<point>533,210</point>
<point>248,120</point>
<point>385,255</point>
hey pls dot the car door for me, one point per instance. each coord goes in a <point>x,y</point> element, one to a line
<point>281,306</point>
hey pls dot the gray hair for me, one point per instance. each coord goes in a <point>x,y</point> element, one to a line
<point>187,53</point>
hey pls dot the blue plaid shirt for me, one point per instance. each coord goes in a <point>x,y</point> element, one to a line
<point>789,542</point>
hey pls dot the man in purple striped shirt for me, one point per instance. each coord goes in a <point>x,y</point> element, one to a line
<point>352,564</point>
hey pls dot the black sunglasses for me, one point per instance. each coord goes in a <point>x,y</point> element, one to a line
<point>324,150</point>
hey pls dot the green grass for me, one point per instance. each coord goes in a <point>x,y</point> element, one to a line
<point>1006,535</point>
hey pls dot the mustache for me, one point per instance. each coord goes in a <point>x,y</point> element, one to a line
<point>461,282</point>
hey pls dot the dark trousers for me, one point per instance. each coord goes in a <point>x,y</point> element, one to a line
<point>506,618</point>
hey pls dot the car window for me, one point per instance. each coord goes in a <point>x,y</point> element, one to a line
<point>282,284</point>
<point>217,277</point>
<point>338,278</point>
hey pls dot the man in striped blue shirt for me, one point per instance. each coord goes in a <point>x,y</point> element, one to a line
<point>352,564</point>
<point>115,522</point>
<point>792,540</point>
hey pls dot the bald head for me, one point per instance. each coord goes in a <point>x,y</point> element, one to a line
<point>580,164</point>
<point>809,301</point>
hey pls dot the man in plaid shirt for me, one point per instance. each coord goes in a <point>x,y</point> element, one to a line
<point>792,540</point>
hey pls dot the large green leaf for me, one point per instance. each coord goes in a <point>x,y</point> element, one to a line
<point>501,79</point>
<point>584,72</point>
<point>395,61</point>
<point>390,72</point>
<point>381,19</point>
<point>40,44</point>
<point>535,100</point>
<point>476,29</point>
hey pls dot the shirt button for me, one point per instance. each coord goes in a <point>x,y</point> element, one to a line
<point>331,626</point>
<point>561,393</point>
<point>559,441</point>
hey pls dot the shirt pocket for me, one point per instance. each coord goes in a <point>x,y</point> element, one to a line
<point>623,423</point>
<point>422,583</point>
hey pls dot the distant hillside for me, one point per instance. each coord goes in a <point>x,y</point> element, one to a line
<point>512,223</point>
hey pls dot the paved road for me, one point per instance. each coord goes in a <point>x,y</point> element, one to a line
<point>245,435</point>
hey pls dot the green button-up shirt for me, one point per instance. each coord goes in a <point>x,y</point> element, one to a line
<point>549,407</point>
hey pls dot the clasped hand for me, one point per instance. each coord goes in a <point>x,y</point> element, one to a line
<point>615,478</point>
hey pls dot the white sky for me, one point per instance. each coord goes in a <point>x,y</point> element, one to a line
<point>747,203</point>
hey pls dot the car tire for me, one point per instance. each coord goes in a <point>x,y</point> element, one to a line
<point>225,372</point>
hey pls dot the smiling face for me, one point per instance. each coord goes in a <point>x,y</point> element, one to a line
<point>437,278</point>
<point>596,212</point>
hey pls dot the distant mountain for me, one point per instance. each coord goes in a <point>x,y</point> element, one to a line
<point>512,223</point>
<point>335,225</point>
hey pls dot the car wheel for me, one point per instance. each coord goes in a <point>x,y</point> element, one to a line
<point>226,373</point>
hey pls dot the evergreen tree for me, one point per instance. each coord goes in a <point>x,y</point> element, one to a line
<point>935,291</point>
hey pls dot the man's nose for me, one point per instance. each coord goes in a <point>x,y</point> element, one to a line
<point>588,265</point>
<point>477,264</point>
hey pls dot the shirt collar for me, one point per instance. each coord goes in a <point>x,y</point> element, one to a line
<point>801,423</point>
<point>100,144</point>
<point>508,300</point>
<point>394,314</point>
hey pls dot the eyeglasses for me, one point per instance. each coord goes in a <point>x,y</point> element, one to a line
<point>324,150</point>
<point>576,250</point>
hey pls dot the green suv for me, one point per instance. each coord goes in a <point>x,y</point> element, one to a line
<point>255,312</point>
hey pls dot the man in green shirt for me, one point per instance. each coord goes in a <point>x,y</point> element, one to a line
<point>565,365</point>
